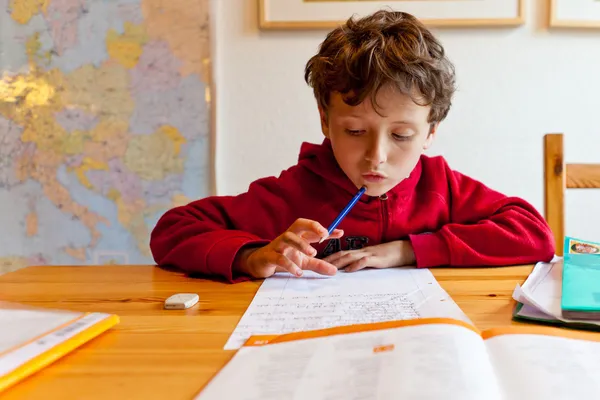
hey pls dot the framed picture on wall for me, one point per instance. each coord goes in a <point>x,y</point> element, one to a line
<point>575,13</point>
<point>327,14</point>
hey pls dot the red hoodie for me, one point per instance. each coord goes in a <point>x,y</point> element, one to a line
<point>451,219</point>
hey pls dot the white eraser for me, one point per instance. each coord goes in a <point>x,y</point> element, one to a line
<point>181,301</point>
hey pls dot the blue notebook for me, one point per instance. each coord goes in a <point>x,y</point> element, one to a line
<point>581,280</point>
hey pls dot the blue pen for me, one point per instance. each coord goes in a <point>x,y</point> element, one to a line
<point>345,211</point>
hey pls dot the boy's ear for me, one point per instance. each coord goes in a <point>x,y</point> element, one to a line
<point>324,124</point>
<point>431,135</point>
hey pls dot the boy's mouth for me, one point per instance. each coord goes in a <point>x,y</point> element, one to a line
<point>374,177</point>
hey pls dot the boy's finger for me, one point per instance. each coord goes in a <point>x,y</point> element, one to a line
<point>279,260</point>
<point>335,256</point>
<point>347,259</point>
<point>312,237</point>
<point>302,226</point>
<point>337,233</point>
<point>320,266</point>
<point>290,239</point>
<point>358,265</point>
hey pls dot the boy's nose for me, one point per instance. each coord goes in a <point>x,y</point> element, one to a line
<point>376,155</point>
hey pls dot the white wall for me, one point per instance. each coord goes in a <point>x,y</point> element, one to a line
<point>522,83</point>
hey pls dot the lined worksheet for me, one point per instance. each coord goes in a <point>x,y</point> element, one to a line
<point>285,303</point>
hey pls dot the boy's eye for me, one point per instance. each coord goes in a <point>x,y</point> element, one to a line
<point>355,132</point>
<point>400,137</point>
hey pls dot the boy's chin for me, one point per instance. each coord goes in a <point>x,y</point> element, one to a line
<point>377,190</point>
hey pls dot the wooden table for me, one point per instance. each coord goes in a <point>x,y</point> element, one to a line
<point>158,354</point>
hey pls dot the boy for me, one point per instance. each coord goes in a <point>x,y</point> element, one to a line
<point>383,84</point>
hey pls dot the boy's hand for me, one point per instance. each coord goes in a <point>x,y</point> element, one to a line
<point>387,255</point>
<point>291,251</point>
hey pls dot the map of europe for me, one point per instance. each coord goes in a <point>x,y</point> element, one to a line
<point>104,125</point>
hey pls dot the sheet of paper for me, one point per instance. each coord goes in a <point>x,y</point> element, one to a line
<point>542,292</point>
<point>286,304</point>
<point>21,324</point>
<point>528,311</point>
<point>435,361</point>
<point>28,332</point>
<point>542,289</point>
<point>545,367</point>
<point>27,351</point>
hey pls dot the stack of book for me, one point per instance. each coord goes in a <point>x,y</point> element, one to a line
<point>565,291</point>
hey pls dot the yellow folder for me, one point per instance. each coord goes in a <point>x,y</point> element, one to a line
<point>32,338</point>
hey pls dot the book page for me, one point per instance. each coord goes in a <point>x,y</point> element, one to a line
<point>434,361</point>
<point>21,324</point>
<point>545,367</point>
<point>285,303</point>
<point>29,351</point>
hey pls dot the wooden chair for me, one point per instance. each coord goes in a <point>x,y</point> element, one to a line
<point>559,176</point>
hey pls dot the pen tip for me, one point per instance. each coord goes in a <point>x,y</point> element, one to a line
<point>322,240</point>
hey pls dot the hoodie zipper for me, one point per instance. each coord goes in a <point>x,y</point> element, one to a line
<point>384,216</point>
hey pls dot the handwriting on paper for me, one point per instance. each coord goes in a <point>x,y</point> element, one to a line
<point>300,313</point>
<point>286,304</point>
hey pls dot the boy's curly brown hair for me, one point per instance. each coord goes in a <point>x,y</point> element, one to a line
<point>387,47</point>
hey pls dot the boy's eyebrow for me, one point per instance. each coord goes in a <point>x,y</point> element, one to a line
<point>403,121</point>
<point>399,122</point>
<point>352,116</point>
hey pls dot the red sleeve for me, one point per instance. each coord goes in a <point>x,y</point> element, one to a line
<point>486,228</point>
<point>205,236</point>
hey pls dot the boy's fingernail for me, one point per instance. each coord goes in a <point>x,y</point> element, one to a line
<point>298,272</point>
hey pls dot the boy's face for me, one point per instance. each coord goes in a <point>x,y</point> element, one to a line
<point>373,150</point>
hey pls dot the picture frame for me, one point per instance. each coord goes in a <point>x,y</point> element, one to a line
<point>574,14</point>
<point>327,14</point>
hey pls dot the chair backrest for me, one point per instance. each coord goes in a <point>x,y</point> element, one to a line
<point>559,176</point>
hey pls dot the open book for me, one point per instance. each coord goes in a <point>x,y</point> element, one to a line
<point>413,359</point>
<point>31,338</point>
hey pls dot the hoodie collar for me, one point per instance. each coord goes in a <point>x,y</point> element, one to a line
<point>319,159</point>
